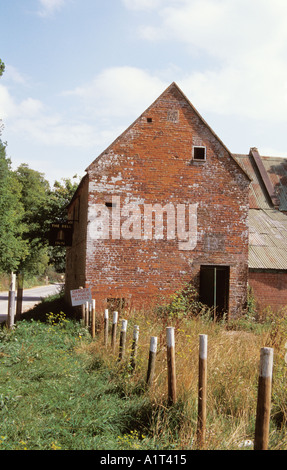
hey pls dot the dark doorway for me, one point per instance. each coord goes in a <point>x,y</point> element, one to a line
<point>214,288</point>
<point>117,304</point>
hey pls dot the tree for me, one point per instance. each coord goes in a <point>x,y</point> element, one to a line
<point>13,248</point>
<point>27,208</point>
<point>60,197</point>
<point>2,67</point>
<point>43,206</point>
<point>34,197</point>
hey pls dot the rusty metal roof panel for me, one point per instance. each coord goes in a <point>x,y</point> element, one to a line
<point>276,168</point>
<point>267,239</point>
<point>277,171</point>
<point>267,258</point>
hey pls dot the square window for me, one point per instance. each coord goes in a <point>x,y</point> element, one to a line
<point>199,154</point>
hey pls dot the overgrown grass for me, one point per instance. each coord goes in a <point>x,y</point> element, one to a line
<point>60,389</point>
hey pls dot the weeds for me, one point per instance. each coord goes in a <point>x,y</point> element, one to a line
<point>61,390</point>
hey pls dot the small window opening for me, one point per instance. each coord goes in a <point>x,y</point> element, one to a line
<point>110,204</point>
<point>199,153</point>
<point>149,119</point>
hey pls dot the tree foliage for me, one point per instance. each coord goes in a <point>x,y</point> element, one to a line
<point>34,197</point>
<point>28,205</point>
<point>42,206</point>
<point>27,208</point>
<point>13,246</point>
<point>60,196</point>
<point>2,67</point>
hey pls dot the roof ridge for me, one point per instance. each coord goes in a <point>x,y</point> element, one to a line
<point>172,85</point>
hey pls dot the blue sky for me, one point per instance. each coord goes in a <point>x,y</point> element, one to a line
<point>79,72</point>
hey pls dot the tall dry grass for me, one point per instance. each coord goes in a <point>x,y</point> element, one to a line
<point>233,367</point>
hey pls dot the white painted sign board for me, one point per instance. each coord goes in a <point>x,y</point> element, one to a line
<point>81,296</point>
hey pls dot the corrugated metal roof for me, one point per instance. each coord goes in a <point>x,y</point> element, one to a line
<point>276,168</point>
<point>267,239</point>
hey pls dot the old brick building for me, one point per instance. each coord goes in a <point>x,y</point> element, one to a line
<point>267,228</point>
<point>170,161</point>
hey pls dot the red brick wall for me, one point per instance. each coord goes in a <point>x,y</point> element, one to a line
<point>269,288</point>
<point>76,255</point>
<point>151,163</point>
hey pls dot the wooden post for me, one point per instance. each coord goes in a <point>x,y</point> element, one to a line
<point>93,326</point>
<point>106,327</point>
<point>171,365</point>
<point>264,400</point>
<point>151,361</point>
<point>11,302</point>
<point>20,285</point>
<point>202,389</point>
<point>123,337</point>
<point>83,314</point>
<point>134,347</point>
<point>114,329</point>
<point>90,314</point>
<point>87,307</point>
<point>83,311</point>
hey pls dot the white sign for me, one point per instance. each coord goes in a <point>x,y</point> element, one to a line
<point>81,296</point>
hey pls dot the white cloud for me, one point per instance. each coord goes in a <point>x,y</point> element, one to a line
<point>243,47</point>
<point>34,122</point>
<point>119,91</point>
<point>98,112</point>
<point>101,110</point>
<point>13,75</point>
<point>26,108</point>
<point>49,7</point>
<point>6,102</point>
<point>226,30</point>
<point>142,4</point>
<point>239,90</point>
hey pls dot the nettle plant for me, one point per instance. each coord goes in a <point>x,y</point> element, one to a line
<point>182,303</point>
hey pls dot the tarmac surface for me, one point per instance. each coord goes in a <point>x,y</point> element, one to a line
<point>31,297</point>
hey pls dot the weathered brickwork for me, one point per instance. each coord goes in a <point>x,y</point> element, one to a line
<point>76,255</point>
<point>269,288</point>
<point>151,163</point>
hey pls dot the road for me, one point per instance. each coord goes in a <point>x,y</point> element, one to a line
<point>31,297</point>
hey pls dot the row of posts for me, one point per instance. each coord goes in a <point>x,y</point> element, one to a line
<point>89,319</point>
<point>265,375</point>
<point>261,437</point>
